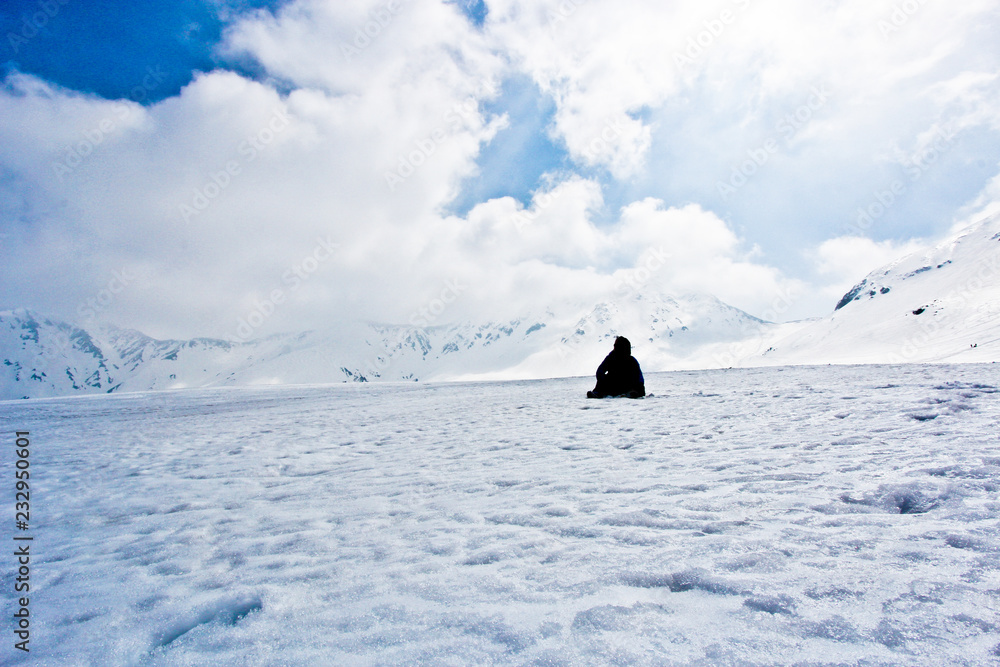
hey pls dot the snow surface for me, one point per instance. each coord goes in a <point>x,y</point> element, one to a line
<point>809,515</point>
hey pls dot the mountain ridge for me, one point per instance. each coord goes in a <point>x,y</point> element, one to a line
<point>42,356</point>
<point>941,303</point>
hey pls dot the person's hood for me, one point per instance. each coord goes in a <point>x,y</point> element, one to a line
<point>623,346</point>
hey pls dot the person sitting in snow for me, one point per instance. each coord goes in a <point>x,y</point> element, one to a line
<point>619,374</point>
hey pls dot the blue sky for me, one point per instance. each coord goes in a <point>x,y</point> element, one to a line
<point>105,48</point>
<point>779,151</point>
<point>515,161</point>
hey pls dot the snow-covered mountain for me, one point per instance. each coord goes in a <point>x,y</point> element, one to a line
<point>941,304</point>
<point>938,304</point>
<point>45,357</point>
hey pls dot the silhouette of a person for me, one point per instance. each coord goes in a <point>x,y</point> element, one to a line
<point>619,374</point>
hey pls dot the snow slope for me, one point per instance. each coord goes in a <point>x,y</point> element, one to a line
<point>940,304</point>
<point>811,516</point>
<point>42,357</point>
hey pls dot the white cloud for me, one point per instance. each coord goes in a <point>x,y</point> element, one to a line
<point>844,261</point>
<point>704,82</point>
<point>603,63</point>
<point>706,256</point>
<point>694,250</point>
<point>986,204</point>
<point>230,191</point>
<point>222,197</point>
<point>221,191</point>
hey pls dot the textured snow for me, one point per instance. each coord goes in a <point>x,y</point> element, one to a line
<point>810,515</point>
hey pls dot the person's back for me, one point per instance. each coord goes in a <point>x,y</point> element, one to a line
<point>619,374</point>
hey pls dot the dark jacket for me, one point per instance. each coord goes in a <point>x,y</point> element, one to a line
<point>619,373</point>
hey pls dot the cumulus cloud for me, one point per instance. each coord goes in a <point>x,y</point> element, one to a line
<point>215,195</point>
<point>319,191</point>
<point>694,250</point>
<point>717,102</point>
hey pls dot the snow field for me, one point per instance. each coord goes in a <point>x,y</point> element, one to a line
<point>813,515</point>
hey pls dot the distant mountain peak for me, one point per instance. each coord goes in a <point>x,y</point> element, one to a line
<point>937,304</point>
<point>667,331</point>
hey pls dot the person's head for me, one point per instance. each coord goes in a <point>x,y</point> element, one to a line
<point>622,346</point>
